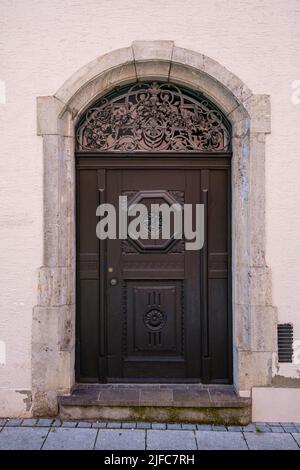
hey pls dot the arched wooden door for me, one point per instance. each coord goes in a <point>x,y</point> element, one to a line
<point>153,311</point>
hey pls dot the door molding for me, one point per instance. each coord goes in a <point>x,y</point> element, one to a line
<point>254,317</point>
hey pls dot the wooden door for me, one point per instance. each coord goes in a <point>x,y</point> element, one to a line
<point>152,310</point>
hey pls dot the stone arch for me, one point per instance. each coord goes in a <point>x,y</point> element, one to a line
<point>254,318</point>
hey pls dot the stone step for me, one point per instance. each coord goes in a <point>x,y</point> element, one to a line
<point>190,403</point>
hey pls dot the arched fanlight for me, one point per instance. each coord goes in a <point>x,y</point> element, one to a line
<point>153,117</point>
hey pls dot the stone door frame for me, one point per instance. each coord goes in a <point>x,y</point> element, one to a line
<point>254,317</point>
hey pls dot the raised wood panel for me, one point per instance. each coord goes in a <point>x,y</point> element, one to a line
<point>154,318</point>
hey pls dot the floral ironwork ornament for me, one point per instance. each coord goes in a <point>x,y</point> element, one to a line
<point>153,117</point>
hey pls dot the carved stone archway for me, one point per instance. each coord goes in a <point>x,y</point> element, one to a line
<point>254,318</point>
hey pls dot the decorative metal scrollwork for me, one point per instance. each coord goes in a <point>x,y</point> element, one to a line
<point>153,117</point>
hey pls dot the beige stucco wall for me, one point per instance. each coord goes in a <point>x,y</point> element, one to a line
<point>44,42</point>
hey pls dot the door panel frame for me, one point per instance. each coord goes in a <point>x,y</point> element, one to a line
<point>152,160</point>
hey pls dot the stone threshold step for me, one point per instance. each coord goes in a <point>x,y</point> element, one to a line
<point>173,403</point>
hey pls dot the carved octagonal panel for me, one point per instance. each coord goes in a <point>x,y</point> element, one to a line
<point>153,222</point>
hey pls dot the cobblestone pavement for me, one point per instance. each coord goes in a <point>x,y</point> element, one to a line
<point>50,434</point>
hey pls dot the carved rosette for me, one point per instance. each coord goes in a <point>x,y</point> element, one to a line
<point>153,117</point>
<point>155,319</point>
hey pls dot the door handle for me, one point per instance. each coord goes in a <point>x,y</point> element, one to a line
<point>113,281</point>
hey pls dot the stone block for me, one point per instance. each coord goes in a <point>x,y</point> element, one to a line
<point>84,424</point>
<point>121,75</point>
<point>204,427</point>
<point>263,328</point>
<point>217,427</point>
<point>188,58</point>
<point>189,427</point>
<point>227,79</point>
<point>270,441</point>
<point>159,426</point>
<point>121,439</point>
<point>19,438</point>
<point>129,425</point>
<point>259,109</point>
<point>70,439</point>
<point>114,425</point>
<point>152,50</point>
<point>69,424</point>
<point>171,440</point>
<point>297,438</point>
<point>143,425</point>
<point>48,112</point>
<point>44,401</point>
<point>54,287</point>
<point>174,426</point>
<point>242,322</point>
<point>99,425</point>
<point>220,440</point>
<point>199,81</point>
<point>44,423</point>
<point>152,70</point>
<point>14,422</point>
<point>234,428</point>
<point>255,369</point>
<point>56,423</point>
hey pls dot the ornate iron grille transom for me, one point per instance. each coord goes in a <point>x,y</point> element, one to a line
<point>153,116</point>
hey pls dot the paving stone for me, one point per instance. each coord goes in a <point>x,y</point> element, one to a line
<point>56,423</point>
<point>218,427</point>
<point>99,424</point>
<point>289,428</point>
<point>296,436</point>
<point>262,428</point>
<point>191,427</point>
<point>44,422</point>
<point>70,439</point>
<point>114,425</point>
<point>274,424</point>
<point>204,427</point>
<point>14,422</point>
<point>234,428</point>
<point>220,440</point>
<point>18,438</point>
<point>29,422</point>
<point>120,439</point>
<point>276,429</point>
<point>270,441</point>
<point>249,428</point>
<point>173,426</point>
<point>69,424</point>
<point>84,424</point>
<point>143,425</point>
<point>159,426</point>
<point>3,422</point>
<point>171,440</point>
<point>128,425</point>
<point>297,427</point>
